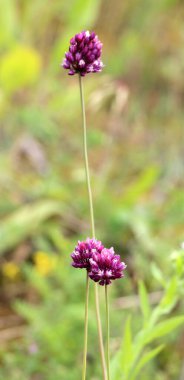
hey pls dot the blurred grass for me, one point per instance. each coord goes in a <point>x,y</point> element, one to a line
<point>135,132</point>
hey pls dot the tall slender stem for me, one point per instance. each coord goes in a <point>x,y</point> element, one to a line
<point>92,226</point>
<point>85,328</point>
<point>107,331</point>
<point>86,157</point>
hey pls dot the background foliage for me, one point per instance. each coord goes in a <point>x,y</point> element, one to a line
<point>135,132</point>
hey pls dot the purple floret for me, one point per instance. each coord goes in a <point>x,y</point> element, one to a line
<point>84,55</point>
<point>83,252</point>
<point>106,266</point>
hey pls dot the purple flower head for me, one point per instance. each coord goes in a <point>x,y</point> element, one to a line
<point>106,266</point>
<point>84,54</point>
<point>83,252</point>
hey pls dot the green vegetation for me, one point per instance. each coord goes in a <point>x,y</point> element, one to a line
<point>135,132</point>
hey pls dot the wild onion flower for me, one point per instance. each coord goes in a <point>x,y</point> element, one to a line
<point>106,266</point>
<point>83,252</point>
<point>84,54</point>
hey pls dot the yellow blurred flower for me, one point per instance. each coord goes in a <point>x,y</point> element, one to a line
<point>44,263</point>
<point>10,270</point>
<point>19,67</point>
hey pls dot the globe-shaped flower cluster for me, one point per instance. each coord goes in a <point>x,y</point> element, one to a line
<point>83,252</point>
<point>84,54</point>
<point>102,264</point>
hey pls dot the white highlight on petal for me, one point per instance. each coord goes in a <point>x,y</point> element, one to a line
<point>81,62</point>
<point>108,273</point>
<point>87,33</point>
<point>100,272</point>
<point>90,69</point>
<point>92,262</point>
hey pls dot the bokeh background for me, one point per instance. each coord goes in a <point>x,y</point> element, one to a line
<point>135,135</point>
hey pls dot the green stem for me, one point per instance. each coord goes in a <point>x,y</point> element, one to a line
<point>100,337</point>
<point>107,331</point>
<point>85,329</point>
<point>102,355</point>
<point>86,157</point>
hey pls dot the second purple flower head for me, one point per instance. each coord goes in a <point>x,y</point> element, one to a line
<point>106,267</point>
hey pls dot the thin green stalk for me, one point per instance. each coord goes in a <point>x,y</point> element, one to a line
<point>107,331</point>
<point>100,337</point>
<point>85,328</point>
<point>86,157</point>
<point>102,355</point>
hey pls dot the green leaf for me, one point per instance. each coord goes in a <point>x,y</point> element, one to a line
<point>25,222</point>
<point>144,301</point>
<point>142,184</point>
<point>145,359</point>
<point>127,349</point>
<point>164,328</point>
<point>123,358</point>
<point>158,275</point>
<point>170,298</point>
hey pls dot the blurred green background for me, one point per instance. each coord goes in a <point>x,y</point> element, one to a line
<point>135,135</point>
